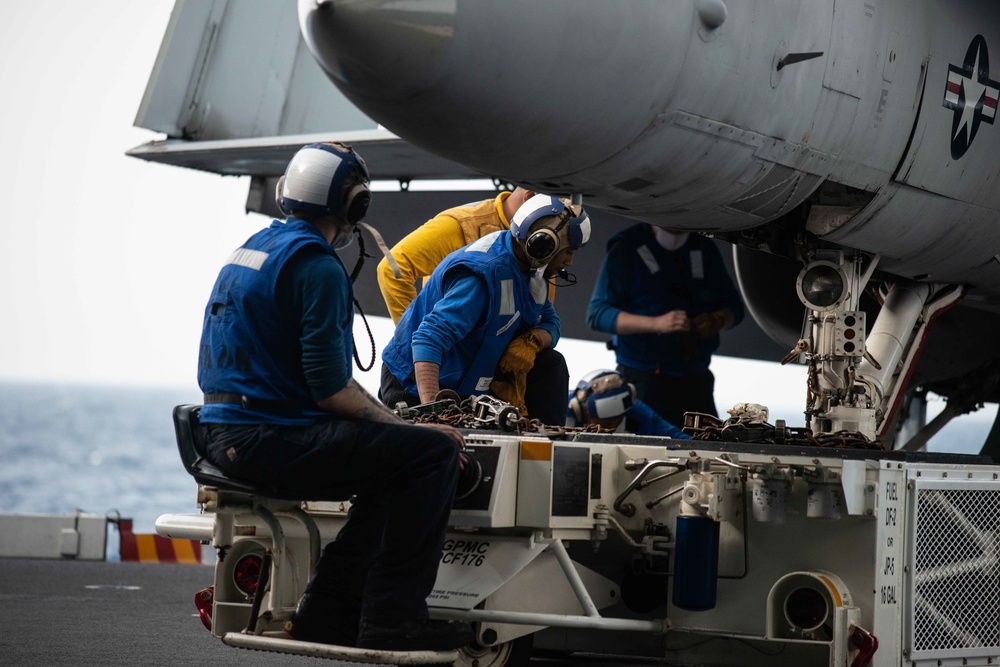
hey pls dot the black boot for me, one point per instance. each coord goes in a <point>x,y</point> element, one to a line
<point>326,620</point>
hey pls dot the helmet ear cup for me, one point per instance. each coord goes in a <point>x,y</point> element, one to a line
<point>278,196</point>
<point>356,202</point>
<point>542,245</point>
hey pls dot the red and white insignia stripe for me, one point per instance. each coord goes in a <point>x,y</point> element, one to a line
<point>954,87</point>
<point>990,98</point>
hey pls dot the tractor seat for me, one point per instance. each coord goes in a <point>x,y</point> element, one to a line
<point>192,444</point>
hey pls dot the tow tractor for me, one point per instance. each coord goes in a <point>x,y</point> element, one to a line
<point>753,544</point>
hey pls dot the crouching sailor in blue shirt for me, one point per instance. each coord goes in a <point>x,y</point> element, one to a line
<point>284,414</point>
<point>604,398</point>
<point>478,300</point>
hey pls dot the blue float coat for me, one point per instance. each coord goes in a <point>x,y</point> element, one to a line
<point>475,302</point>
<point>278,327</point>
<point>639,276</point>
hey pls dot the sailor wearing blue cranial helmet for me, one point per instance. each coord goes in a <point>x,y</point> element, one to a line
<point>282,412</point>
<point>605,399</point>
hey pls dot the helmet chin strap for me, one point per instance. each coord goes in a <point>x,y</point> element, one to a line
<point>381,246</point>
<point>355,228</point>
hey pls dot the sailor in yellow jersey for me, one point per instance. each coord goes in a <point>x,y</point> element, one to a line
<point>419,252</point>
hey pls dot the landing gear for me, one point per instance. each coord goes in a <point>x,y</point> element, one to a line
<point>857,381</point>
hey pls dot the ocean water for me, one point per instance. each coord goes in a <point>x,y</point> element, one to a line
<point>102,450</point>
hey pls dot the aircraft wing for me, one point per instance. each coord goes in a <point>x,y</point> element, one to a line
<point>236,93</point>
<point>386,155</point>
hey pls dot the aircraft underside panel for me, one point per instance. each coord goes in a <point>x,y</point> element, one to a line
<point>755,177</point>
<point>934,239</point>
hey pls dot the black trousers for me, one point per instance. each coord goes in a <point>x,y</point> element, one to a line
<point>671,396</point>
<point>546,388</point>
<point>544,395</point>
<point>402,477</point>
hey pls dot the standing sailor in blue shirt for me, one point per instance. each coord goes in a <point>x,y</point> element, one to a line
<point>479,299</point>
<point>283,412</point>
<point>665,296</point>
<point>604,398</point>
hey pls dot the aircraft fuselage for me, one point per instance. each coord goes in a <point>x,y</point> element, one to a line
<point>708,116</point>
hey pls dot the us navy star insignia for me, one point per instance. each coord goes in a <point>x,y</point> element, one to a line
<point>972,95</point>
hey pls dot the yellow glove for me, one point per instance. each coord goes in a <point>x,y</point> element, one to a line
<point>511,375</point>
<point>510,388</point>
<point>707,325</point>
<point>519,356</point>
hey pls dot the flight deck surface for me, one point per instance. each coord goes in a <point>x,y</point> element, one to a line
<point>72,613</point>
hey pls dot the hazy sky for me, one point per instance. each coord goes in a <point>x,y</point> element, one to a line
<point>107,260</point>
<point>105,256</point>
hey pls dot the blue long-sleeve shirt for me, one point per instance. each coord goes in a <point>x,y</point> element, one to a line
<point>309,292</point>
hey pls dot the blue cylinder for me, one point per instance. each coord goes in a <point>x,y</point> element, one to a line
<point>696,563</point>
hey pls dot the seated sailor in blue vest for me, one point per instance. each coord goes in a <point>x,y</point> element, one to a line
<point>283,412</point>
<point>605,399</point>
<point>478,300</point>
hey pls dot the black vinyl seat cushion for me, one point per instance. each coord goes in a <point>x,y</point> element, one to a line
<point>192,445</point>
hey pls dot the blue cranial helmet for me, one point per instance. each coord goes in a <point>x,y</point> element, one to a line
<point>325,179</point>
<point>545,225</point>
<point>602,394</point>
